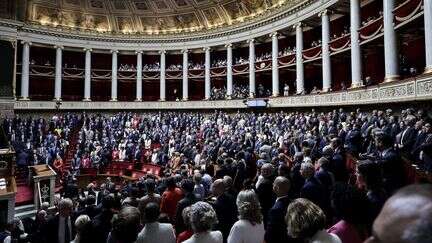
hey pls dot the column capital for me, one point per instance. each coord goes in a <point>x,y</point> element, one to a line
<point>26,42</point>
<point>228,45</point>
<point>298,25</point>
<point>184,51</point>
<point>139,52</point>
<point>58,47</point>
<point>87,49</point>
<point>274,34</point>
<point>162,52</point>
<point>114,51</point>
<point>250,41</point>
<point>207,48</point>
<point>324,12</point>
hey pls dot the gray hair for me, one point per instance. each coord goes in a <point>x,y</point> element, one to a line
<point>65,203</point>
<point>202,217</point>
<point>249,207</point>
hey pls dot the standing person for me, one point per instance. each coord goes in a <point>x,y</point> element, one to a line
<point>225,207</point>
<point>306,222</point>
<point>170,198</point>
<point>276,229</point>
<point>189,199</point>
<point>126,226</point>
<point>265,189</point>
<point>203,217</point>
<point>60,228</point>
<point>249,228</point>
<point>164,233</point>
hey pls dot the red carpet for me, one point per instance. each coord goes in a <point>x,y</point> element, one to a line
<point>24,195</point>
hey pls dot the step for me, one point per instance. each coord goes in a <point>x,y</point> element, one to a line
<point>25,211</point>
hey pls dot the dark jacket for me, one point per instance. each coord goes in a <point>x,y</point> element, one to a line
<point>51,229</point>
<point>188,200</point>
<point>226,211</point>
<point>266,196</point>
<point>276,229</point>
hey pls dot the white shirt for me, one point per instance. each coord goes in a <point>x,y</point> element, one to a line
<point>205,237</point>
<point>156,232</point>
<point>244,232</point>
<point>323,237</point>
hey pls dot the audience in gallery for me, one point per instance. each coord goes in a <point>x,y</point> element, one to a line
<point>239,92</point>
<point>226,177</point>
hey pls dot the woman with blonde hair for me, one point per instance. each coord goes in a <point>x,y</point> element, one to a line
<point>306,221</point>
<point>249,228</point>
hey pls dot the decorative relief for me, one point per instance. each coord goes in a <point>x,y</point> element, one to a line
<point>171,16</point>
<point>424,87</point>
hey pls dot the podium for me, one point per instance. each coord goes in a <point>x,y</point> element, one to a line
<point>43,177</point>
<point>8,186</point>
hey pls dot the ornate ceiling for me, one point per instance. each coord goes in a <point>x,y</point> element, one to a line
<point>148,17</point>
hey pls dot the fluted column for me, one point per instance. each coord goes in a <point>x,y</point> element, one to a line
<point>299,58</point>
<point>162,91</point>
<point>25,70</point>
<point>326,62</point>
<point>390,45</point>
<point>207,74</point>
<point>58,73</point>
<point>252,92</point>
<point>87,75</point>
<point>114,68</point>
<point>356,64</point>
<point>275,64</point>
<point>139,76</point>
<point>428,34</point>
<point>229,71</point>
<point>185,75</point>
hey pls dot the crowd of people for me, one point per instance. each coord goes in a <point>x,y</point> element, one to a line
<point>247,177</point>
<point>38,140</point>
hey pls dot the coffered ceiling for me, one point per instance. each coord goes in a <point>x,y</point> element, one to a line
<point>150,17</point>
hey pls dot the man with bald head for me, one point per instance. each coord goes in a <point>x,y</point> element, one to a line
<point>225,207</point>
<point>406,217</point>
<point>276,229</point>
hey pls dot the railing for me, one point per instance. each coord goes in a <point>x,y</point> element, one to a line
<point>411,89</point>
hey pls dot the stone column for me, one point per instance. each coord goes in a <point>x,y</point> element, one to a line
<point>207,90</point>
<point>299,58</point>
<point>275,64</point>
<point>229,71</point>
<point>139,76</point>
<point>326,62</point>
<point>162,92</point>
<point>428,34</point>
<point>390,45</point>
<point>25,70</point>
<point>356,61</point>
<point>114,69</point>
<point>58,73</point>
<point>87,75</point>
<point>185,75</point>
<point>252,92</point>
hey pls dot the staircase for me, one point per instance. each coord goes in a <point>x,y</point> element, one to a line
<point>71,150</point>
<point>25,211</point>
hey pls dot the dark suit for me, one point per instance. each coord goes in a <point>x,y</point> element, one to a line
<point>393,169</point>
<point>188,200</point>
<point>51,231</point>
<point>276,229</point>
<point>353,141</point>
<point>226,211</point>
<point>316,192</point>
<point>266,196</point>
<point>90,210</point>
<point>407,139</point>
<point>101,225</point>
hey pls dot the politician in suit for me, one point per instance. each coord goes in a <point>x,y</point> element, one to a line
<point>276,228</point>
<point>60,228</point>
<point>393,171</point>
